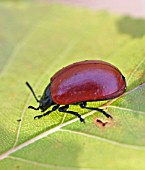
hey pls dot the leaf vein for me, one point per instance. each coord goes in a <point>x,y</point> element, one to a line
<point>47,165</point>
<point>136,68</point>
<point>126,109</point>
<point>40,136</point>
<point>105,140</point>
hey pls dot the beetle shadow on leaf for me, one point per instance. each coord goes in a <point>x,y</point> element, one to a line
<point>131,26</point>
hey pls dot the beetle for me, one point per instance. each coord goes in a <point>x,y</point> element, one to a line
<point>79,83</point>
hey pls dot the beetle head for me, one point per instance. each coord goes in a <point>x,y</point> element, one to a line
<point>46,99</point>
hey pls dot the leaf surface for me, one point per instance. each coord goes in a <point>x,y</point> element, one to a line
<point>36,41</point>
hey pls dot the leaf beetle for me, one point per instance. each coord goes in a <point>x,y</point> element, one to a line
<point>79,83</point>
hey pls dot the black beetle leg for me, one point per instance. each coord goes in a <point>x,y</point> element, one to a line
<point>64,109</point>
<point>83,105</point>
<point>48,112</point>
<point>31,107</point>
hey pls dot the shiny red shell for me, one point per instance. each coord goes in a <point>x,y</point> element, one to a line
<point>90,80</point>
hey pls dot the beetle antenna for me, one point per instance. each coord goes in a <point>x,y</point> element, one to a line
<point>32,91</point>
<point>31,107</point>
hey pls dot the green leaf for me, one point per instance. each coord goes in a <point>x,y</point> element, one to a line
<point>36,41</point>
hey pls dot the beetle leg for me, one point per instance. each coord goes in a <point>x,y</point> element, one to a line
<point>64,109</point>
<point>83,105</point>
<point>31,107</point>
<point>48,112</point>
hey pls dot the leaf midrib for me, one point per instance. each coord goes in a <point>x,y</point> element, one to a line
<point>40,136</point>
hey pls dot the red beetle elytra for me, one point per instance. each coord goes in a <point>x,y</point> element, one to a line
<point>78,83</point>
